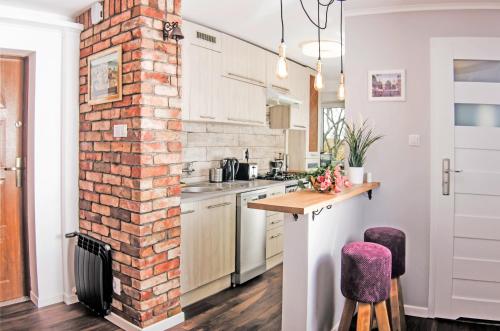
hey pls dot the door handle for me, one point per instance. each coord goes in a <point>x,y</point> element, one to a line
<point>446,176</point>
<point>19,171</point>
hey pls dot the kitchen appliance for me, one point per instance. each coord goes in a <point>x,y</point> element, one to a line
<point>247,171</point>
<point>230,167</point>
<point>215,175</point>
<point>250,238</point>
<point>93,274</point>
<point>281,176</point>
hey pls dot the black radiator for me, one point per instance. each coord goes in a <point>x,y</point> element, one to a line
<point>93,275</point>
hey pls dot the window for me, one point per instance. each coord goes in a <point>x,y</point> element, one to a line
<point>332,135</point>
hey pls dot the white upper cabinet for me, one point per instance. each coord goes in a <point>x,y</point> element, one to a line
<point>243,61</point>
<point>273,81</point>
<point>202,70</point>
<point>244,103</point>
<point>299,89</point>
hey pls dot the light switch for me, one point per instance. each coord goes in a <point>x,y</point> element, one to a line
<point>414,140</point>
<point>120,131</point>
<point>117,285</point>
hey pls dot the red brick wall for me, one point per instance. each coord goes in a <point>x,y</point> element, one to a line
<point>129,187</point>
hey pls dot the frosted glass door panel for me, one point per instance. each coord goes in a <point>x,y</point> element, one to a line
<point>467,114</point>
<point>477,71</point>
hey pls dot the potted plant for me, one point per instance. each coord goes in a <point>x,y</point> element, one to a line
<point>358,138</point>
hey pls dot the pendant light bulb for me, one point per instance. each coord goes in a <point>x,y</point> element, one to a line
<point>341,90</point>
<point>318,81</point>
<point>282,65</point>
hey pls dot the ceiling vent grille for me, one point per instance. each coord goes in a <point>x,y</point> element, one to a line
<point>206,37</point>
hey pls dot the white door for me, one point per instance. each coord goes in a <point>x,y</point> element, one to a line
<point>465,178</point>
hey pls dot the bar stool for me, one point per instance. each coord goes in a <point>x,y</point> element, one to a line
<point>365,280</point>
<point>395,241</point>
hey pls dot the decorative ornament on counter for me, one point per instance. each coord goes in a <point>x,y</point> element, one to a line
<point>328,179</point>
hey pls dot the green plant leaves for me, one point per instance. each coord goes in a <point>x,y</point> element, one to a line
<point>359,138</point>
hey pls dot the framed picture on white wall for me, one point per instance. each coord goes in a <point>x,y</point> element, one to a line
<point>387,85</point>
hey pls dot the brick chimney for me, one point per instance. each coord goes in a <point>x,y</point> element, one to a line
<point>129,187</point>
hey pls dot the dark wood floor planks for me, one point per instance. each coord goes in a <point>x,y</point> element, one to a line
<point>256,305</point>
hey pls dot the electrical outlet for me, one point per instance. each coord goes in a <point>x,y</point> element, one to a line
<point>117,285</point>
<point>120,131</point>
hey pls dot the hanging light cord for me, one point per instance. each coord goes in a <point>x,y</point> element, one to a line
<point>318,25</point>
<point>341,40</point>
<point>319,33</point>
<point>282,23</point>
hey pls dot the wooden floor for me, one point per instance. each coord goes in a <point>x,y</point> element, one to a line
<point>254,306</point>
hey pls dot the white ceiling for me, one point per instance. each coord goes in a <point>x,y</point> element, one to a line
<point>67,8</point>
<point>258,21</point>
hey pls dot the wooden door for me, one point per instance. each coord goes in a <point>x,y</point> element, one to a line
<point>11,243</point>
<point>465,173</point>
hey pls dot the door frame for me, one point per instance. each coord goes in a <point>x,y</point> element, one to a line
<point>442,53</point>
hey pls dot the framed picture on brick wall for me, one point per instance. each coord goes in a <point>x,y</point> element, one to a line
<point>105,76</point>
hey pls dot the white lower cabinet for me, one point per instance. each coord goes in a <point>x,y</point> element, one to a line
<point>274,233</point>
<point>208,235</point>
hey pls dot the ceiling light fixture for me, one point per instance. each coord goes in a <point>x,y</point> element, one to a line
<point>341,90</point>
<point>282,66</point>
<point>329,49</point>
<point>318,81</point>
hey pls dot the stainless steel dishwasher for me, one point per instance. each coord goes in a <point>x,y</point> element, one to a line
<point>250,238</point>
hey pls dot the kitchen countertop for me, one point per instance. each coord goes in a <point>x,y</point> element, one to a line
<point>235,187</point>
<point>307,201</point>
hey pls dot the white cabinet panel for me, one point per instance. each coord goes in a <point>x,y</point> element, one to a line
<point>243,103</point>
<point>207,241</point>
<point>243,61</point>
<point>204,90</point>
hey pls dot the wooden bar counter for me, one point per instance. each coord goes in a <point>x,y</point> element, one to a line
<point>307,201</point>
<point>316,227</point>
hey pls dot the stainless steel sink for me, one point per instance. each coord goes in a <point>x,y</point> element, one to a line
<point>200,189</point>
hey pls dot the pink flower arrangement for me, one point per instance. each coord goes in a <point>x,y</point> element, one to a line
<point>326,181</point>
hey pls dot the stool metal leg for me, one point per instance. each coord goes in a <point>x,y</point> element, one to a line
<point>364,316</point>
<point>401,306</point>
<point>347,314</point>
<point>382,318</point>
<point>394,303</point>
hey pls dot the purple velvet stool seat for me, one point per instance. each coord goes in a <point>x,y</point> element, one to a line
<point>395,241</point>
<point>366,272</point>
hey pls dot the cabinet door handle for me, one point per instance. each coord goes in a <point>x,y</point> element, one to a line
<point>247,78</point>
<point>244,121</point>
<point>300,126</point>
<point>276,236</point>
<point>187,212</point>
<point>219,205</point>
<point>208,117</point>
<point>275,222</point>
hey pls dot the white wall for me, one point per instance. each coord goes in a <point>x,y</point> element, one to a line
<point>402,41</point>
<point>52,47</point>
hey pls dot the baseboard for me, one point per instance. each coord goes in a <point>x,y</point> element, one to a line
<point>70,299</point>
<point>417,311</point>
<point>160,326</point>
<point>14,301</point>
<point>34,298</point>
<point>43,302</point>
